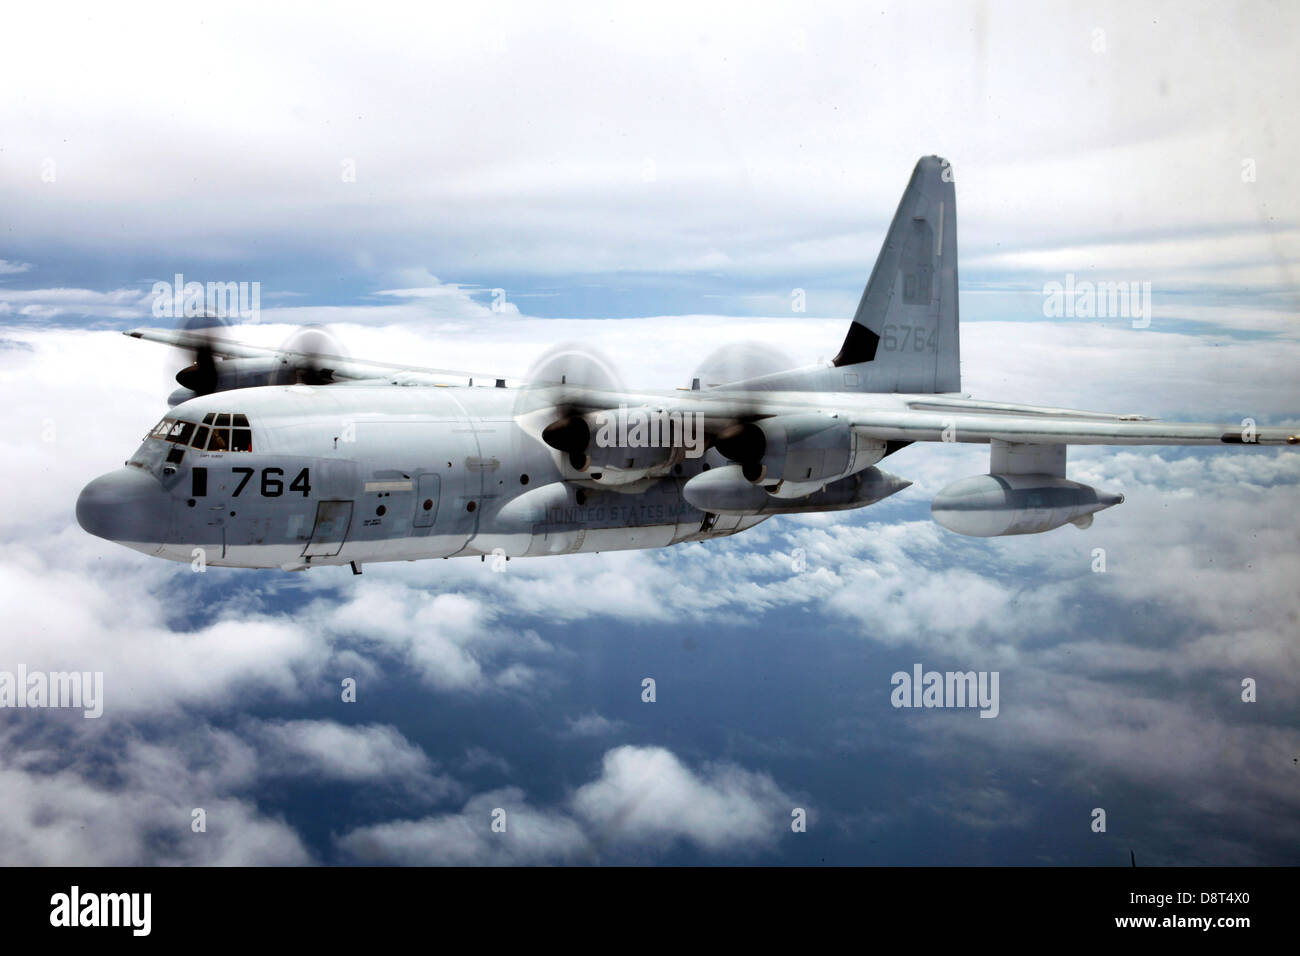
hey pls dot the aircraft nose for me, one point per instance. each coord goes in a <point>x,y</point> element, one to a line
<point>126,505</point>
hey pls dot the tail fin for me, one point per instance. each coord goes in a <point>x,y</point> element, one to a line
<point>904,336</point>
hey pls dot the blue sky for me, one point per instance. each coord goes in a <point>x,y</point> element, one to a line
<point>657,184</point>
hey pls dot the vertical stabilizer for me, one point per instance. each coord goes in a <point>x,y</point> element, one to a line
<point>904,336</point>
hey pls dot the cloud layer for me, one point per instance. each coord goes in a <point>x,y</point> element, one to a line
<point>224,688</point>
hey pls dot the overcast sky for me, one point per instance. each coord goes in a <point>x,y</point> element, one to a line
<point>656,182</point>
<point>758,145</point>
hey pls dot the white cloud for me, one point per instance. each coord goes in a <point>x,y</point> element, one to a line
<point>466,838</point>
<point>644,801</point>
<point>646,795</point>
<point>593,725</point>
<point>1202,541</point>
<point>144,816</point>
<point>777,137</point>
<point>323,748</point>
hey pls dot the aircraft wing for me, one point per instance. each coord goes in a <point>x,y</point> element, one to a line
<point>343,368</point>
<point>964,420</point>
<point>935,419</point>
<point>975,426</point>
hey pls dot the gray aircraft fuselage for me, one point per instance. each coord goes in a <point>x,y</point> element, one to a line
<point>364,474</point>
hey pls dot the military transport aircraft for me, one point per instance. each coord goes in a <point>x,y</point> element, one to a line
<point>297,457</point>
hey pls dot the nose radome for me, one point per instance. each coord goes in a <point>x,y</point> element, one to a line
<point>126,505</point>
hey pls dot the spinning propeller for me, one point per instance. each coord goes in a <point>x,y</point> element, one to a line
<point>564,385</point>
<point>728,369</point>
<point>200,376</point>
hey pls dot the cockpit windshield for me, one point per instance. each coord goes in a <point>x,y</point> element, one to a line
<point>220,431</point>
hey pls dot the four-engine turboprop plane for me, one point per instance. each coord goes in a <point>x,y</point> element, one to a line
<point>292,458</point>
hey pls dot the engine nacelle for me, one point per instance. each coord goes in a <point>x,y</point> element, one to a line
<point>727,491</point>
<point>253,372</point>
<point>808,450</point>
<point>990,506</point>
<point>620,445</point>
<point>634,439</point>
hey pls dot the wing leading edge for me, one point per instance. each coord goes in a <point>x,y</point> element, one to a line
<point>912,425</point>
<point>343,368</point>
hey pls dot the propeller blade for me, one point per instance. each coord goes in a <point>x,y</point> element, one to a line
<point>319,353</point>
<point>200,376</point>
<point>728,369</point>
<point>558,391</point>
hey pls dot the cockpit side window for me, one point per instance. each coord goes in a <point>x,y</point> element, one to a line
<point>220,431</point>
<point>220,423</point>
<point>241,438</point>
<point>179,432</point>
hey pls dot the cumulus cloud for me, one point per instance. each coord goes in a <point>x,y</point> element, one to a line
<point>1197,593</point>
<point>326,749</point>
<point>450,639</point>
<point>593,725</point>
<point>531,836</point>
<point>643,801</point>
<point>65,808</point>
<point>145,814</point>
<point>646,795</point>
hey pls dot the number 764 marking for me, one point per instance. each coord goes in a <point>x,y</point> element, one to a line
<point>272,485</point>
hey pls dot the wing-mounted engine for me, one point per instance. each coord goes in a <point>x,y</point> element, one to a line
<point>791,456</point>
<point>573,400</point>
<point>619,446</point>
<point>308,356</point>
<point>1025,492</point>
